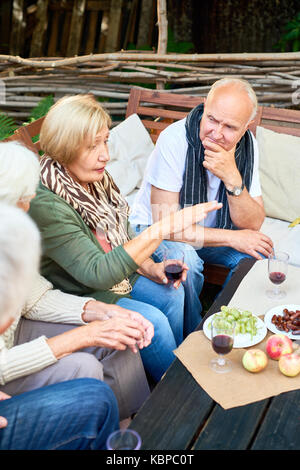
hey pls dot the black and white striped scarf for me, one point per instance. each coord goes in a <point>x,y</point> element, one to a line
<point>104,210</point>
<point>194,188</point>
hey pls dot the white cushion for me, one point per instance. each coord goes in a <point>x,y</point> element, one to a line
<point>279,170</point>
<point>129,147</point>
<point>285,238</point>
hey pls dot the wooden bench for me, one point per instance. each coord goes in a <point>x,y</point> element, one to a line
<point>157,110</point>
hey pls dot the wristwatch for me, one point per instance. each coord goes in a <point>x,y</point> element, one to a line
<point>236,191</point>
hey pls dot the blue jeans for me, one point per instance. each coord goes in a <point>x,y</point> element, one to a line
<point>163,307</point>
<point>193,284</point>
<point>223,255</point>
<point>72,415</point>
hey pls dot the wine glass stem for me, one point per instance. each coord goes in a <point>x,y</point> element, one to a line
<point>221,360</point>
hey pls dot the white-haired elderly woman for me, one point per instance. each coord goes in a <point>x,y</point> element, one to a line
<point>74,414</point>
<point>88,247</point>
<point>51,348</point>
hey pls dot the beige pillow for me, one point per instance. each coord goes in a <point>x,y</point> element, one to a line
<point>129,147</point>
<point>279,170</point>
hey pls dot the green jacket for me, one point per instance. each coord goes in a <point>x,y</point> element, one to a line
<point>72,258</point>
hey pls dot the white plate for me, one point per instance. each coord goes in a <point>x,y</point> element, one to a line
<point>279,311</point>
<point>240,340</point>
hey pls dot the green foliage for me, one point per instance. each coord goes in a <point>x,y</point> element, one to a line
<point>7,126</point>
<point>42,108</point>
<point>290,40</point>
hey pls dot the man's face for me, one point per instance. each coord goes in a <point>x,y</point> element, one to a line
<point>226,116</point>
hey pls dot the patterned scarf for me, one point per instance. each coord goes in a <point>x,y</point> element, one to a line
<point>194,188</point>
<point>103,209</point>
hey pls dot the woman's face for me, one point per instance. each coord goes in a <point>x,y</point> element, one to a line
<point>90,164</point>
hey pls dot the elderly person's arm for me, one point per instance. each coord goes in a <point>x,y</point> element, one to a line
<point>69,242</point>
<point>247,241</point>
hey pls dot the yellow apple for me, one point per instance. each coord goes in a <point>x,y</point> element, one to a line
<point>255,360</point>
<point>289,364</point>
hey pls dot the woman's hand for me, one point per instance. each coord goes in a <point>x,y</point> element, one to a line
<point>156,272</point>
<point>96,310</point>
<point>3,421</point>
<point>116,333</point>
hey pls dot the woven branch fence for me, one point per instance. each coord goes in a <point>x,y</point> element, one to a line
<point>109,76</point>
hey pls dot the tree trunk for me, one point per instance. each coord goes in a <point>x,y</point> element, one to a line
<point>76,27</point>
<point>18,26</point>
<point>113,35</point>
<point>36,49</point>
<point>144,38</point>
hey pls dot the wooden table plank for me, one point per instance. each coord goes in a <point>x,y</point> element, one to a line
<point>172,415</point>
<point>280,429</point>
<point>231,429</point>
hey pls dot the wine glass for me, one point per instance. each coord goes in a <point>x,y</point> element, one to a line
<point>124,439</point>
<point>277,269</point>
<point>173,266</point>
<point>222,337</point>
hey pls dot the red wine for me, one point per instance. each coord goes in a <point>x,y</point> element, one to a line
<point>277,277</point>
<point>222,344</point>
<point>173,271</point>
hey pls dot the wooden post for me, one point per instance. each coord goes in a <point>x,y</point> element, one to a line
<point>36,49</point>
<point>115,13</point>
<point>18,26</point>
<point>162,32</point>
<point>76,28</point>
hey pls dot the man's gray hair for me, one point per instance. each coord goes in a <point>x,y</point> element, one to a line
<point>19,172</point>
<point>19,259</point>
<point>243,85</point>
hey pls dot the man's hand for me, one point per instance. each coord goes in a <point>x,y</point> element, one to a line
<point>3,421</point>
<point>221,163</point>
<point>251,242</point>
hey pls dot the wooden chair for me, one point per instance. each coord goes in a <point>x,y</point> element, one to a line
<point>26,134</point>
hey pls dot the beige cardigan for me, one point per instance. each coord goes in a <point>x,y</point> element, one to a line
<point>44,304</point>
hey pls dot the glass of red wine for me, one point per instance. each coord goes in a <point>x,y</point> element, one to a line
<point>173,266</point>
<point>222,338</point>
<point>277,269</point>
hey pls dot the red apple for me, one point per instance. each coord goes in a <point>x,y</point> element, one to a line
<point>278,345</point>
<point>289,364</point>
<point>255,360</point>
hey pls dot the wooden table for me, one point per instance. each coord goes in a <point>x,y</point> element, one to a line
<point>180,415</point>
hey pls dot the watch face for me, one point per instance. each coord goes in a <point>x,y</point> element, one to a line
<point>237,191</point>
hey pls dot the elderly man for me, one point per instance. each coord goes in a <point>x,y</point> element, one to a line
<point>211,154</point>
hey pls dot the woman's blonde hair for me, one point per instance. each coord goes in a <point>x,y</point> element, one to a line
<point>71,122</point>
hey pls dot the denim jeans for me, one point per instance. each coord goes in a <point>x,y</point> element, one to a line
<point>223,255</point>
<point>194,282</point>
<point>163,306</point>
<point>72,415</point>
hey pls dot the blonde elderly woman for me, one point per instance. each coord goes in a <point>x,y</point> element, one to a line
<point>75,414</point>
<point>46,351</point>
<point>88,249</point>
